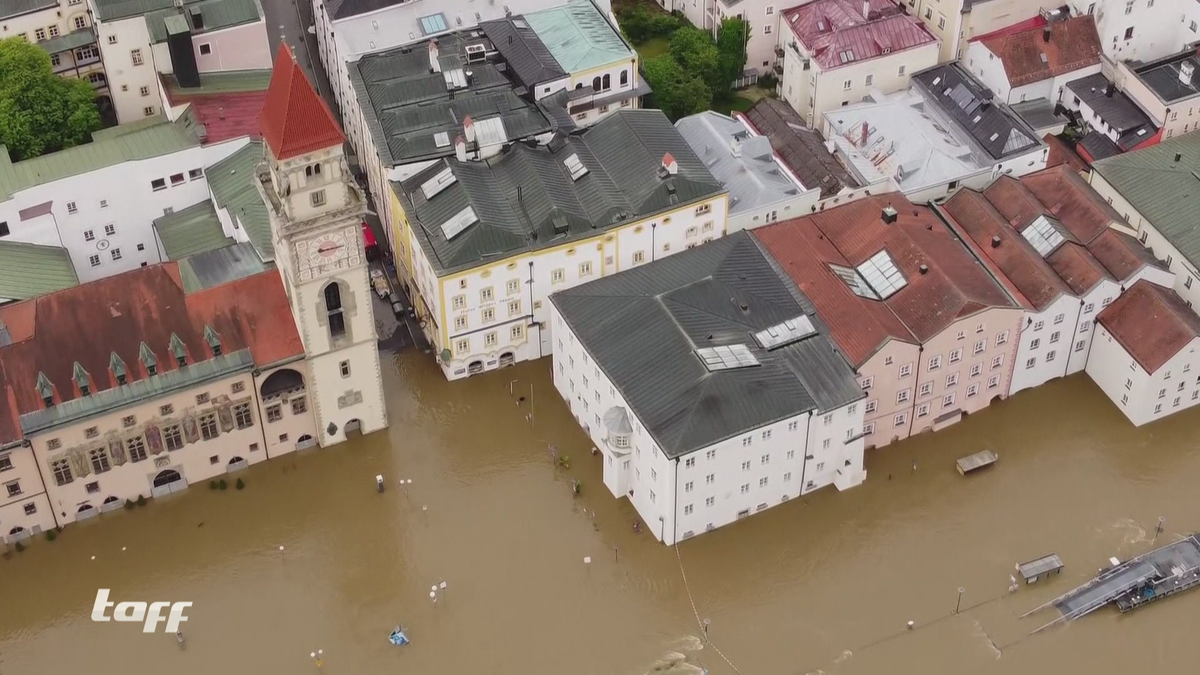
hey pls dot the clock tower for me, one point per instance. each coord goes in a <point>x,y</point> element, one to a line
<point>316,213</point>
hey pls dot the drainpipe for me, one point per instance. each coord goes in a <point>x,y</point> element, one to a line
<point>912,417</point>
<point>804,463</point>
<point>653,245</point>
<point>675,521</point>
<point>532,317</point>
<point>262,419</point>
<point>42,480</point>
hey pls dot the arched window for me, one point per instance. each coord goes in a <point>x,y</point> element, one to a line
<point>595,84</point>
<point>312,170</point>
<point>624,77</point>
<point>333,306</point>
<point>607,82</point>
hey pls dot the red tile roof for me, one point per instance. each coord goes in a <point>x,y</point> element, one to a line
<point>1061,153</point>
<point>1076,265</point>
<point>88,323</point>
<point>1151,322</point>
<point>226,116</point>
<point>1074,44</point>
<point>294,120</point>
<point>827,28</point>
<point>1004,246</point>
<point>859,326</point>
<point>1036,22</point>
<point>953,284</point>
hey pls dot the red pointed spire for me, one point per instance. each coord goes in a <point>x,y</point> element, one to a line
<point>294,120</point>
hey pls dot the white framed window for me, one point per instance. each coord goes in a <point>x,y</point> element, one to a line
<point>1058,318</point>
<point>488,314</point>
<point>767,29</point>
<point>1030,363</point>
<point>948,400</point>
<point>135,55</point>
<point>923,410</point>
<point>952,379</point>
<point>900,71</point>
<point>868,428</point>
<point>976,369</point>
<point>517,331</point>
<point>867,382</point>
<point>955,355</point>
<point>935,362</point>
<point>902,396</point>
<point>94,260</point>
<point>770,10</point>
<point>871,406</point>
<point>1035,343</point>
<point>846,85</point>
<point>1085,326</point>
<point>972,390</point>
<point>900,419</point>
<point>1002,337</point>
<point>558,276</point>
<point>993,381</point>
<point>906,370</point>
<point>585,269</point>
<point>926,388</point>
<point>980,347</point>
<point>997,360</point>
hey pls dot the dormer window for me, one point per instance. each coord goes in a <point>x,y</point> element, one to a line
<point>148,359</point>
<point>82,380</point>
<point>45,389</point>
<point>118,369</point>
<point>178,350</point>
<point>213,340</point>
<point>616,423</point>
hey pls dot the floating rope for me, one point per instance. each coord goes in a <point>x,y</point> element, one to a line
<point>696,612</point>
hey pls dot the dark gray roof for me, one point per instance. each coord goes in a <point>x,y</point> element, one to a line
<point>1117,110</point>
<point>1038,113</point>
<point>1162,76</point>
<point>341,9</point>
<point>530,59</point>
<point>801,149</point>
<point>1098,146</point>
<point>962,98</point>
<point>642,327</point>
<point>525,198</point>
<point>405,104</point>
<point>220,266</point>
<point>11,8</point>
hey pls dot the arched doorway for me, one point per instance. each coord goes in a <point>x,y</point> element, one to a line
<point>16,530</point>
<point>166,477</point>
<point>111,503</point>
<point>85,511</point>
<point>280,382</point>
<point>507,359</point>
<point>354,426</point>
<point>236,464</point>
<point>166,482</point>
<point>305,442</point>
<point>475,368</point>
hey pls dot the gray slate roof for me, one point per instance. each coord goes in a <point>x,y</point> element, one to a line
<point>642,327</point>
<point>220,266</point>
<point>801,149</point>
<point>999,131</point>
<point>752,177</point>
<point>1038,113</point>
<point>11,8</point>
<point>529,58</point>
<point>405,105</point>
<point>1117,111</point>
<point>623,154</point>
<point>1165,192</point>
<point>341,9</point>
<point>1162,76</point>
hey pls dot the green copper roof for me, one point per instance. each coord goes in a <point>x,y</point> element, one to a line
<point>136,392</point>
<point>1165,191</point>
<point>73,40</point>
<point>578,36</point>
<point>30,270</point>
<point>11,8</point>
<point>153,137</point>
<point>193,230</point>
<point>215,15</point>
<point>222,82</point>
<point>232,184</point>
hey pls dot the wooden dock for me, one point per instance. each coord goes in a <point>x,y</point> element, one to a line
<point>979,460</point>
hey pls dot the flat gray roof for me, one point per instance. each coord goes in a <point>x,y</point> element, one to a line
<point>644,325</point>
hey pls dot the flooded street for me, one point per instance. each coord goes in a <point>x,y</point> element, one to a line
<point>822,584</point>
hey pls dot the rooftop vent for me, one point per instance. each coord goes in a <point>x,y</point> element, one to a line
<point>1186,70</point>
<point>476,53</point>
<point>889,215</point>
<point>669,165</point>
<point>924,269</point>
<point>996,241</point>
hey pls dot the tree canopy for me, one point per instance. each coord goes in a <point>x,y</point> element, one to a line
<point>676,92</point>
<point>694,51</point>
<point>731,48</point>
<point>41,112</point>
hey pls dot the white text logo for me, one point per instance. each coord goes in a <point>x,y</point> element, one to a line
<point>151,614</point>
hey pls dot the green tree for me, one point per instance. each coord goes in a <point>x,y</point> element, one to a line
<point>676,92</point>
<point>41,112</point>
<point>731,48</point>
<point>694,51</point>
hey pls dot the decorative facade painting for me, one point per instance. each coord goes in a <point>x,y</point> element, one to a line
<point>80,466</point>
<point>191,431</point>
<point>154,439</point>
<point>116,450</point>
<point>225,414</point>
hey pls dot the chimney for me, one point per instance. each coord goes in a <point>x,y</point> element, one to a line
<point>1178,156</point>
<point>866,132</point>
<point>924,269</point>
<point>469,128</point>
<point>866,9</point>
<point>1110,90</point>
<point>1046,33</point>
<point>1186,70</point>
<point>735,146</point>
<point>434,65</point>
<point>889,214</point>
<point>460,148</point>
<point>669,165</point>
<point>996,241</point>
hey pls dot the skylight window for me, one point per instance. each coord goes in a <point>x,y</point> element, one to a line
<point>576,167</point>
<point>441,139</point>
<point>520,23</point>
<point>434,23</point>
<point>855,281</point>
<point>443,180</point>
<point>726,358</point>
<point>1043,236</point>
<point>785,333</point>
<point>459,222</point>
<point>455,79</point>
<point>881,274</point>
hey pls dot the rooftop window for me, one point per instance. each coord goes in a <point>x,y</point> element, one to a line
<point>434,23</point>
<point>727,357</point>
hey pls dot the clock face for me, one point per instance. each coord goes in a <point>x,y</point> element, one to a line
<point>327,248</point>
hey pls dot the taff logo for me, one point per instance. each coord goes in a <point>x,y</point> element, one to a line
<point>139,611</point>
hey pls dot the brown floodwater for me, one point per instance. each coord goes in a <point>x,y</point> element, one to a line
<point>823,584</point>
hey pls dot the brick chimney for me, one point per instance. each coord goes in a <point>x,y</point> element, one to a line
<point>469,128</point>
<point>669,164</point>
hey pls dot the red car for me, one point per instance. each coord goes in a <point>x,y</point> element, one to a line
<point>369,244</point>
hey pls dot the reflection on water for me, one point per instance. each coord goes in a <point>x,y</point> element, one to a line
<point>825,584</point>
